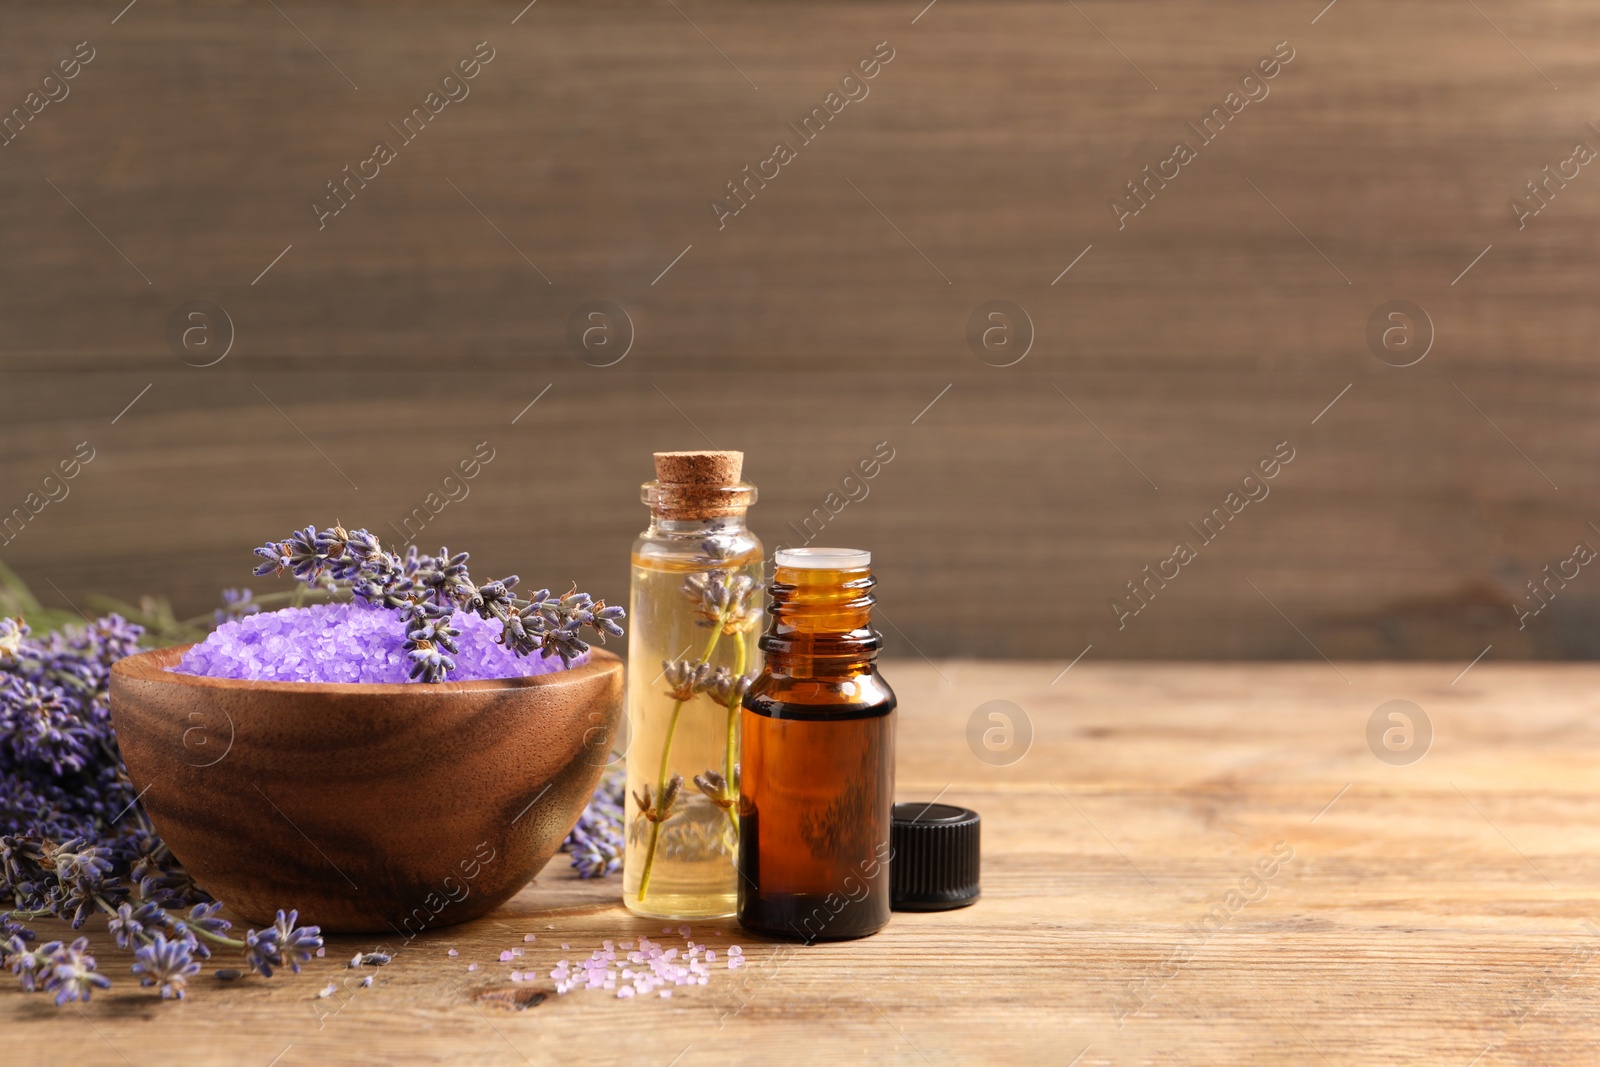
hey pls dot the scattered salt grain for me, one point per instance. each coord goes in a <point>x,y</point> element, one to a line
<point>505,957</point>
<point>472,966</point>
<point>527,937</point>
<point>645,966</point>
<point>327,991</point>
<point>452,952</point>
<point>367,981</point>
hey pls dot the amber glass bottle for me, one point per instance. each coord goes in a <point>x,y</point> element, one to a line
<point>817,757</point>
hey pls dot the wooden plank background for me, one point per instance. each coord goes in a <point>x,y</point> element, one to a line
<point>831,313</point>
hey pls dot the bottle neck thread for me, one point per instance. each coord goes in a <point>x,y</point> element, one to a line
<point>821,623</point>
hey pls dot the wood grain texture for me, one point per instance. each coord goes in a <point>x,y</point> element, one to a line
<point>367,808</point>
<point>1430,913</point>
<point>832,311</point>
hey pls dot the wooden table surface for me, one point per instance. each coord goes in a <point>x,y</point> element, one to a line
<point>1442,911</point>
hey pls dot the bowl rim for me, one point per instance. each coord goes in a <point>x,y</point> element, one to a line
<point>151,666</point>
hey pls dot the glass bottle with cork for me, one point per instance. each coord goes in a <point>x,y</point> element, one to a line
<point>817,757</point>
<point>696,602</point>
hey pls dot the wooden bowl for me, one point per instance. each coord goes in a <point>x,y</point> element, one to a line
<point>375,807</point>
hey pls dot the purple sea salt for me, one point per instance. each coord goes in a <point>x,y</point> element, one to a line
<point>648,968</point>
<point>348,642</point>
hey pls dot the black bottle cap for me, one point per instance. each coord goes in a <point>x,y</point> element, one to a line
<point>935,863</point>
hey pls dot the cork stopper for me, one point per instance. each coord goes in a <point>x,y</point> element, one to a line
<point>699,468</point>
<point>699,485</point>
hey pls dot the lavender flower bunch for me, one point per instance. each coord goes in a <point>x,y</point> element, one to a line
<point>427,590</point>
<point>74,841</point>
<point>595,843</point>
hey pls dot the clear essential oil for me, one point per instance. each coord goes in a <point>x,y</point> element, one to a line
<point>817,758</point>
<point>693,627</point>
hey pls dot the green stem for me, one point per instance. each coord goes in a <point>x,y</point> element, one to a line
<point>655,824</point>
<point>231,942</point>
<point>106,907</point>
<point>733,734</point>
<point>666,750</point>
<point>733,743</point>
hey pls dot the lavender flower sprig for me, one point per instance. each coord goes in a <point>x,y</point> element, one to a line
<point>283,944</point>
<point>427,590</point>
<point>74,840</point>
<point>167,965</point>
<point>70,971</point>
<point>595,843</point>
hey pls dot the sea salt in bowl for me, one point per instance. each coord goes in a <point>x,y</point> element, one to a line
<point>348,642</point>
<point>388,807</point>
